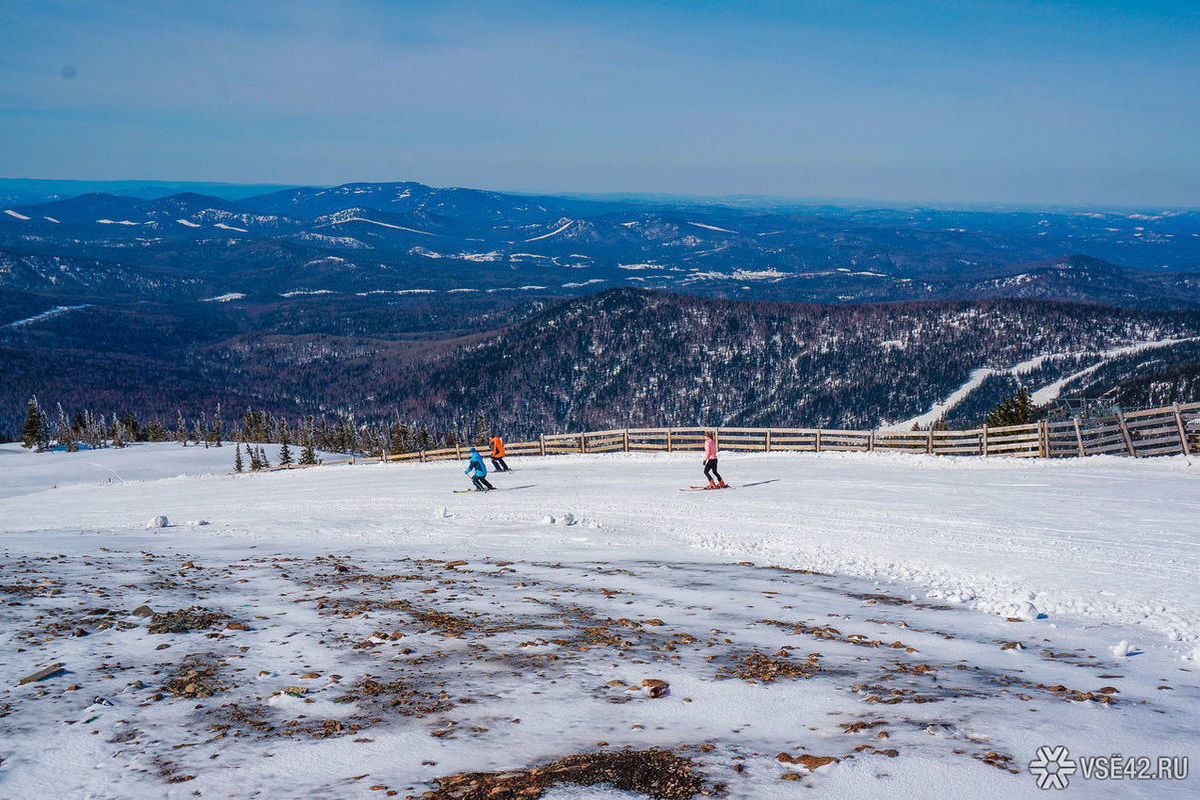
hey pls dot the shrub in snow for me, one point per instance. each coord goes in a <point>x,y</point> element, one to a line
<point>568,519</point>
<point>158,522</point>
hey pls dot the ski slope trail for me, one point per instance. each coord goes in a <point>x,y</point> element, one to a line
<point>1040,396</point>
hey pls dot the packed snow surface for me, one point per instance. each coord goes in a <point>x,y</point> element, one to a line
<point>928,621</point>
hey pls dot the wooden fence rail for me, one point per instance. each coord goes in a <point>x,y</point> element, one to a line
<point>1172,430</point>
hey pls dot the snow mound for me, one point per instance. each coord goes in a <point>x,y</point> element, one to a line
<point>157,522</point>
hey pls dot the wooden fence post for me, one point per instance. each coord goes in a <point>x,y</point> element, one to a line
<point>768,440</point>
<point>985,441</point>
<point>1125,434</point>
<point>422,455</point>
<point>929,441</point>
<point>457,452</point>
<point>871,442</point>
<point>1079,437</point>
<point>1043,439</point>
<point>1183,440</point>
<point>669,440</point>
<point>542,443</point>
<point>626,440</point>
<point>582,443</point>
<point>817,441</point>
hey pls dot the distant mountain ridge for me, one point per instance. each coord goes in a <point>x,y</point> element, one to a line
<point>406,237</point>
<point>624,357</point>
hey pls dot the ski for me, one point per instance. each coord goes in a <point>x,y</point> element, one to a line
<point>703,488</point>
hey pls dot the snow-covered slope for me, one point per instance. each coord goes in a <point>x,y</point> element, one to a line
<point>900,573</point>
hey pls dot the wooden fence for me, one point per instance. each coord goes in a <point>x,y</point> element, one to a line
<point>1154,432</point>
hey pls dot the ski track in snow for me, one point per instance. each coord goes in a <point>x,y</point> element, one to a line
<point>594,569</point>
<point>12,213</point>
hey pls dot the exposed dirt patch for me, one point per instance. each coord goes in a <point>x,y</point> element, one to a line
<point>184,620</point>
<point>761,668</point>
<point>833,634</point>
<point>805,760</point>
<point>397,695</point>
<point>197,676</point>
<point>655,773</point>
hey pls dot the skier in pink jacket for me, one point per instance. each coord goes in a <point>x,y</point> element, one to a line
<point>710,462</point>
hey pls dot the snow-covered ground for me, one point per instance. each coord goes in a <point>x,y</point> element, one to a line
<point>968,610</point>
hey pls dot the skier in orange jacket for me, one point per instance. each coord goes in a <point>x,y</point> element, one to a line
<point>498,455</point>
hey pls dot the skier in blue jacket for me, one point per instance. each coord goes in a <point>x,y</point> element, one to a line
<point>478,472</point>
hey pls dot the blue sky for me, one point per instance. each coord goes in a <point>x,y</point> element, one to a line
<point>1030,102</point>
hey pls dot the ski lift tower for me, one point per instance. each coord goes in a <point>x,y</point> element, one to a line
<point>1085,408</point>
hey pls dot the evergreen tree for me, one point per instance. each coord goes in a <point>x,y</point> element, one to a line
<point>262,459</point>
<point>31,432</point>
<point>180,428</point>
<point>483,433</point>
<point>238,466</point>
<point>64,433</point>
<point>285,452</point>
<point>132,429</point>
<point>217,433</point>
<point>423,438</point>
<point>255,464</point>
<point>308,456</point>
<point>399,439</point>
<point>1016,409</point>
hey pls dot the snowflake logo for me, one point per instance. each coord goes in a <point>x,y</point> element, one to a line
<point>1053,767</point>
